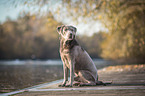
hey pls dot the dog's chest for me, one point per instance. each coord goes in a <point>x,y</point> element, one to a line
<point>65,51</point>
<point>66,59</point>
<point>67,45</point>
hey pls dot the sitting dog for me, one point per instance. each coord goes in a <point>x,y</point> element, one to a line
<point>75,59</point>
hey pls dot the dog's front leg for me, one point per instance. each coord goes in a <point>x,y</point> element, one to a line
<point>65,70</point>
<point>71,74</point>
<point>71,63</point>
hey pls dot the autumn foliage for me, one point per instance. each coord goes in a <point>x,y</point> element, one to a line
<point>32,36</point>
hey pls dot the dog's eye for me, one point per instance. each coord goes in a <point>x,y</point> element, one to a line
<point>65,29</point>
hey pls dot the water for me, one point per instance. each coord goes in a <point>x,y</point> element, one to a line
<point>18,74</point>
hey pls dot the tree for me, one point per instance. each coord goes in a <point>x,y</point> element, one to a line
<point>124,20</point>
<point>29,36</point>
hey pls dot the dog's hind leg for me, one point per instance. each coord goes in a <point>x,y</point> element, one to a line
<point>86,78</point>
<point>76,80</point>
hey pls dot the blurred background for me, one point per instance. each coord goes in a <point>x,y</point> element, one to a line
<point>107,29</point>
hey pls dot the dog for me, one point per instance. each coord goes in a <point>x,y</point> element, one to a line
<point>76,59</point>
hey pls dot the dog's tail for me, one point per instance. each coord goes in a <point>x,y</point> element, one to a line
<point>103,83</point>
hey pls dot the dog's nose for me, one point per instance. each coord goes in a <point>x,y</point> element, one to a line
<point>70,36</point>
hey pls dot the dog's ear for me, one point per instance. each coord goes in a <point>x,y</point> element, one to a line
<point>74,29</point>
<point>58,29</point>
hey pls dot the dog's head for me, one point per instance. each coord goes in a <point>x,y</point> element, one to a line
<point>67,32</point>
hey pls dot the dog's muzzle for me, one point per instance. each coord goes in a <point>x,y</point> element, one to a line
<point>68,36</point>
<point>71,36</point>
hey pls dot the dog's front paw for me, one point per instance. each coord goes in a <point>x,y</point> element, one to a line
<point>68,85</point>
<point>61,85</point>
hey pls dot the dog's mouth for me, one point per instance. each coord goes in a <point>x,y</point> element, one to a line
<point>69,36</point>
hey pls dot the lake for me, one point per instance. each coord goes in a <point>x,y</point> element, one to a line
<point>19,74</point>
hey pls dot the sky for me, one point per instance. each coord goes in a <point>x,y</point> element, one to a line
<point>7,11</point>
<point>14,8</point>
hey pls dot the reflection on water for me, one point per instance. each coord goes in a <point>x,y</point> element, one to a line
<point>17,74</point>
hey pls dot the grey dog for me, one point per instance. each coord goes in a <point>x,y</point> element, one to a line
<point>75,59</point>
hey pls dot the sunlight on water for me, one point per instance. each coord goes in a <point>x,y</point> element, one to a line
<point>31,62</point>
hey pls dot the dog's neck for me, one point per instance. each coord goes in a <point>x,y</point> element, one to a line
<point>67,44</point>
